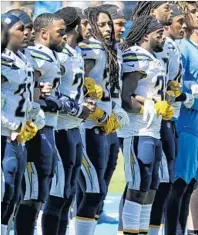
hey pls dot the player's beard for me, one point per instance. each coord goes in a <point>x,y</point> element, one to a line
<point>158,49</point>
<point>79,38</point>
<point>54,46</point>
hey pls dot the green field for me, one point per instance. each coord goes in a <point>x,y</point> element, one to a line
<point>118,180</point>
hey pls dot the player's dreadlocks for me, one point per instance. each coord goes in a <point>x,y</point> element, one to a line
<point>141,26</point>
<point>144,8</point>
<point>92,14</point>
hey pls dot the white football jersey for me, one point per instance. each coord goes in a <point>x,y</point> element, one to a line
<point>137,59</point>
<point>17,90</point>
<point>100,73</point>
<point>171,56</point>
<point>71,83</point>
<point>175,70</point>
<point>45,61</point>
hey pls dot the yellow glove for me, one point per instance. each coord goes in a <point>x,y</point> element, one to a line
<point>160,107</point>
<point>92,89</point>
<point>98,94</point>
<point>98,115</point>
<point>27,132</point>
<point>169,113</point>
<point>176,87</point>
<point>111,125</point>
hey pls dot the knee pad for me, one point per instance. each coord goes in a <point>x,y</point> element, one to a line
<point>53,205</point>
<point>179,187</point>
<point>89,205</point>
<point>136,196</point>
<point>150,197</point>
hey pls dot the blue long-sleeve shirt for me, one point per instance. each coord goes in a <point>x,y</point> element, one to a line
<point>188,119</point>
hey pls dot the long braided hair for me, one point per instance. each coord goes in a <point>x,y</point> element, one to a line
<point>138,30</point>
<point>92,14</point>
<point>144,8</point>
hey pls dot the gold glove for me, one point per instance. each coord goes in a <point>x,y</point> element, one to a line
<point>27,132</point>
<point>160,107</point>
<point>111,125</point>
<point>176,87</point>
<point>93,90</point>
<point>169,113</point>
<point>98,115</point>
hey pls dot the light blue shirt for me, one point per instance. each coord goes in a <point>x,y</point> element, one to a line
<point>188,119</point>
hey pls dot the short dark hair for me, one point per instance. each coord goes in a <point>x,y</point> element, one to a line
<point>43,20</point>
<point>70,17</point>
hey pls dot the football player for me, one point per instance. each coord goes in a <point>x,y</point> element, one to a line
<point>118,18</point>
<point>17,126</point>
<point>168,129</point>
<point>100,65</point>
<point>119,28</point>
<point>158,9</point>
<point>42,153</point>
<point>162,12</point>
<point>68,139</point>
<point>4,36</point>
<point>186,160</point>
<point>143,98</point>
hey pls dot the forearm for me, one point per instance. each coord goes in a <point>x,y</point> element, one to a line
<point>131,105</point>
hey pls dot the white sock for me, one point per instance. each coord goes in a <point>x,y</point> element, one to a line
<point>4,229</point>
<point>145,218</point>
<point>131,216</point>
<point>85,226</point>
<point>154,230</point>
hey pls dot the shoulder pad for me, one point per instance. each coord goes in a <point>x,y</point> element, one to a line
<point>40,55</point>
<point>91,46</point>
<point>8,62</point>
<point>129,56</point>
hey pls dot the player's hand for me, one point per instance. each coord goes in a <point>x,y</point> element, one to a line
<point>92,89</point>
<point>98,92</point>
<point>176,87</point>
<point>169,113</point>
<point>45,89</point>
<point>149,112</point>
<point>111,124</point>
<point>160,107</point>
<point>88,108</point>
<point>189,100</point>
<point>170,97</point>
<point>98,115</point>
<point>27,132</point>
<point>121,116</point>
<point>194,89</point>
<point>39,120</point>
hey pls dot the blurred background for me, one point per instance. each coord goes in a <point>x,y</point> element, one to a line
<point>35,8</point>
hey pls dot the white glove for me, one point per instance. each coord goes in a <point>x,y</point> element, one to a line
<point>40,119</point>
<point>122,116</point>
<point>32,114</point>
<point>149,112</point>
<point>194,89</point>
<point>189,101</point>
